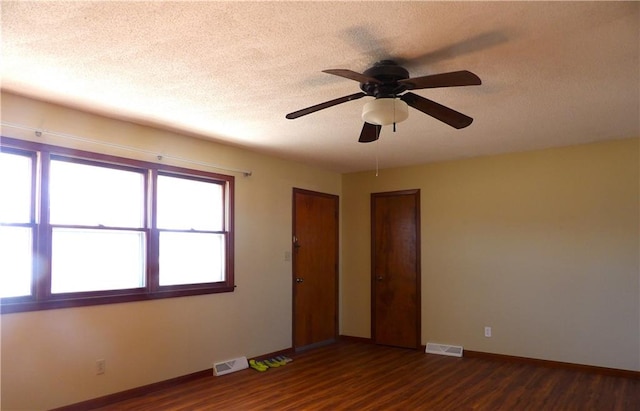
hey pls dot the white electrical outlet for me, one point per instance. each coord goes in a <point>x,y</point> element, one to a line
<point>487,331</point>
<point>101,367</point>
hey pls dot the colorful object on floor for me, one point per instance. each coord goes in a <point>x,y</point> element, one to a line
<point>278,361</point>
<point>274,362</point>
<point>271,363</point>
<point>284,359</point>
<point>258,365</point>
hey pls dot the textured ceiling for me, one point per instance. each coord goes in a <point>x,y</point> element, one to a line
<point>554,73</point>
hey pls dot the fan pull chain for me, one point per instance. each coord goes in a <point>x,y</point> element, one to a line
<point>377,157</point>
<point>394,114</point>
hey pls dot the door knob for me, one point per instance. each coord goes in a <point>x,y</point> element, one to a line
<point>299,280</point>
<point>380,278</point>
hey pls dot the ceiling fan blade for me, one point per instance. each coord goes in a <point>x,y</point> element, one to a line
<point>453,79</point>
<point>370,132</point>
<point>352,75</point>
<point>324,105</point>
<point>445,114</point>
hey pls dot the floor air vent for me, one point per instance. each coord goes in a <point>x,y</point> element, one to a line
<point>226,367</point>
<point>443,349</point>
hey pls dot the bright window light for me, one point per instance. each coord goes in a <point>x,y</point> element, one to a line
<point>95,260</point>
<point>87,195</point>
<point>79,228</point>
<point>15,188</point>
<point>191,258</point>
<point>15,261</point>
<point>185,204</point>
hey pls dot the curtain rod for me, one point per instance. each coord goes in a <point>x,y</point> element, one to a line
<point>39,132</point>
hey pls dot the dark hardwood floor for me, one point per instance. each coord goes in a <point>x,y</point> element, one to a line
<point>357,376</point>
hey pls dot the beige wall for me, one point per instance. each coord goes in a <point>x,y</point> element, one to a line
<point>541,246</point>
<point>48,357</point>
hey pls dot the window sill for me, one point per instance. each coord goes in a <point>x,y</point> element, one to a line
<point>8,307</point>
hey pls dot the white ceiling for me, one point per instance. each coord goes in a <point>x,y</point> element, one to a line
<point>553,73</point>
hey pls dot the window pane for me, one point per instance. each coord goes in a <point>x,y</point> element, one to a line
<point>191,258</point>
<point>185,204</point>
<point>82,194</point>
<point>96,260</point>
<point>15,188</point>
<point>15,261</point>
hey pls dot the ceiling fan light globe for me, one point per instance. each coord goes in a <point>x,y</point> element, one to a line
<point>385,111</point>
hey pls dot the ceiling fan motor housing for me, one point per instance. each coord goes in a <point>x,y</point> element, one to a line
<point>388,72</point>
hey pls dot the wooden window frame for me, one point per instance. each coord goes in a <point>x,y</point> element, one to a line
<point>41,297</point>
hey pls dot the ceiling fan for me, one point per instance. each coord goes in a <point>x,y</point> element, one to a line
<point>386,81</point>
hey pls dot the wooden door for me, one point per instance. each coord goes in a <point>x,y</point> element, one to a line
<point>315,268</point>
<point>395,250</point>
